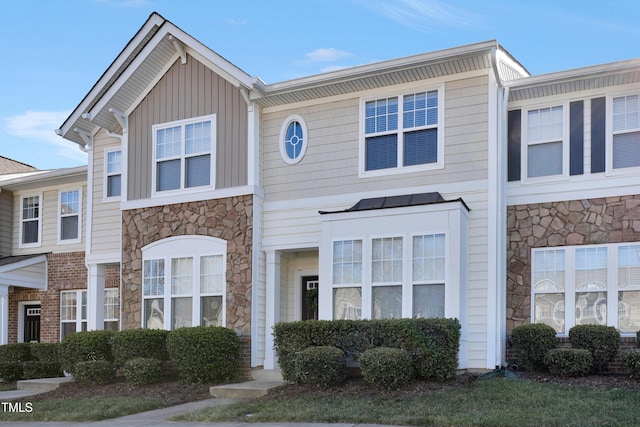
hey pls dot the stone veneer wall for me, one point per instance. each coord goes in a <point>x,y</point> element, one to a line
<point>230,219</point>
<point>65,271</point>
<point>567,223</point>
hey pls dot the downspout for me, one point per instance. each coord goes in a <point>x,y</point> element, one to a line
<point>497,181</point>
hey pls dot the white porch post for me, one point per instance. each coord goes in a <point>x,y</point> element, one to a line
<point>4,315</point>
<point>272,315</point>
<point>95,298</point>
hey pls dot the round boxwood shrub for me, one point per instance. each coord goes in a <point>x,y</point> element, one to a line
<point>568,362</point>
<point>141,371</point>
<point>11,371</point>
<point>387,368</point>
<point>631,362</point>
<point>85,346</point>
<point>36,369</point>
<point>204,353</point>
<point>132,343</point>
<point>95,372</point>
<point>601,341</point>
<point>323,366</point>
<point>531,343</point>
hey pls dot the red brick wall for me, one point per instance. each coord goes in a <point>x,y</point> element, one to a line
<point>65,271</point>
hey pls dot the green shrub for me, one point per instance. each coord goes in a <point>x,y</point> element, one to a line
<point>94,372</point>
<point>15,352</point>
<point>132,343</point>
<point>85,346</point>
<point>387,368</point>
<point>601,341</point>
<point>36,369</point>
<point>204,353</point>
<point>531,343</point>
<point>322,366</point>
<point>631,362</point>
<point>142,371</point>
<point>428,340</point>
<point>568,362</point>
<point>11,371</point>
<point>45,352</point>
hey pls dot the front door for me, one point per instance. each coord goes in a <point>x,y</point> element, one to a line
<point>32,323</point>
<point>309,297</point>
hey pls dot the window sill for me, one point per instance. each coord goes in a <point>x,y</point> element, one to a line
<point>401,170</point>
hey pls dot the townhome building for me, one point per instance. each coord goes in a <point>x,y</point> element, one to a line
<point>445,184</point>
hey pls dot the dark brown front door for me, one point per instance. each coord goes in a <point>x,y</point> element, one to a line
<point>31,323</point>
<point>309,298</point>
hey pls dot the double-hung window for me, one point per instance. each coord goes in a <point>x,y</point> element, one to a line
<point>73,312</point>
<point>402,133</point>
<point>113,174</point>
<point>184,154</point>
<point>579,285</point>
<point>30,220</point>
<point>545,148</point>
<point>626,132</point>
<point>184,283</point>
<point>347,279</point>
<point>69,216</point>
<point>111,309</point>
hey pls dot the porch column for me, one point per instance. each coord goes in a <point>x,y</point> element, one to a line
<point>95,298</point>
<point>272,315</point>
<point>4,315</point>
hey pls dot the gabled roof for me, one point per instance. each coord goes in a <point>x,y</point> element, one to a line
<point>579,79</point>
<point>10,166</point>
<point>147,56</point>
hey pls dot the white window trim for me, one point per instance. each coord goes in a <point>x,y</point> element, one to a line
<point>117,318</point>
<point>105,180</point>
<point>59,231</point>
<point>569,291</point>
<point>439,164</point>
<point>78,320</point>
<point>40,206</point>
<point>212,157</point>
<point>609,170</point>
<point>525,145</point>
<point>283,134</point>
<point>182,247</point>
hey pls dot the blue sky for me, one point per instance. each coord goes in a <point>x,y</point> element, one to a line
<point>54,51</point>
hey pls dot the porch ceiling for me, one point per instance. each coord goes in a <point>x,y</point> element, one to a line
<point>26,271</point>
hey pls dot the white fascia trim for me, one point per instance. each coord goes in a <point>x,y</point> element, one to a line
<point>103,258</point>
<point>154,20</point>
<point>192,197</point>
<point>22,281</point>
<point>293,242</point>
<point>24,263</point>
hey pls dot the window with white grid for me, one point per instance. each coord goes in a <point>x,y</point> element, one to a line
<point>626,131</point>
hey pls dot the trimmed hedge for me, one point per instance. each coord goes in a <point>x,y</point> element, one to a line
<point>204,353</point>
<point>531,343</point>
<point>133,343</point>
<point>387,368</point>
<point>94,372</point>
<point>36,369</point>
<point>569,362</point>
<point>45,352</point>
<point>11,371</point>
<point>601,341</point>
<point>142,371</point>
<point>85,346</point>
<point>432,343</point>
<point>631,362</point>
<point>322,366</point>
<point>15,352</point>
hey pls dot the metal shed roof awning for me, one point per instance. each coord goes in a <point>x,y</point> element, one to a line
<point>400,201</point>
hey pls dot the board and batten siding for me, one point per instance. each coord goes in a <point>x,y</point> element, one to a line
<point>106,222</point>
<point>330,165</point>
<point>188,91</point>
<point>6,213</point>
<point>49,206</point>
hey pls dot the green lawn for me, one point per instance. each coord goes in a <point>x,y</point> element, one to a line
<point>494,402</point>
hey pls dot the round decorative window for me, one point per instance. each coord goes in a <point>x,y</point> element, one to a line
<point>293,139</point>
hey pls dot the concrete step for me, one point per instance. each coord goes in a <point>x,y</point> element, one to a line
<point>266,374</point>
<point>43,384</point>
<point>247,390</point>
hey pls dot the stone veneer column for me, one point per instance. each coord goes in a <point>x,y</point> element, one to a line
<point>230,219</point>
<point>567,223</point>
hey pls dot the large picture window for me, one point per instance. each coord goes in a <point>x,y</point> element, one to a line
<point>579,285</point>
<point>402,132</point>
<point>193,269</point>
<point>184,154</point>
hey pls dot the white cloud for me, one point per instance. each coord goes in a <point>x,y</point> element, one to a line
<point>326,55</point>
<point>37,129</point>
<point>238,22</point>
<point>425,15</point>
